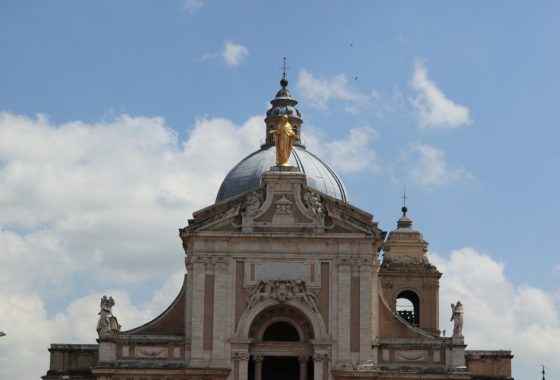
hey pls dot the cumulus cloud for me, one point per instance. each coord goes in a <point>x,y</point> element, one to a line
<point>233,54</point>
<point>100,202</point>
<point>434,109</point>
<point>192,5</point>
<point>30,330</point>
<point>499,314</point>
<point>319,91</point>
<point>350,154</point>
<point>427,166</point>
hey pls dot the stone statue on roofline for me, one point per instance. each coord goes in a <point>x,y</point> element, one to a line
<point>457,318</point>
<point>107,323</point>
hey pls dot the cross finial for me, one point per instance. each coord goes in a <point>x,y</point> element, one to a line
<point>284,68</point>
<point>404,197</point>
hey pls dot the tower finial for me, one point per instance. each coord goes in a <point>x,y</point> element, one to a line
<point>284,81</point>
<point>404,197</point>
<point>284,69</point>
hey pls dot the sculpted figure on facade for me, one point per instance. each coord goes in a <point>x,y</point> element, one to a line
<point>313,202</point>
<point>281,291</point>
<point>253,201</point>
<point>284,137</point>
<point>259,293</point>
<point>457,318</point>
<point>107,323</point>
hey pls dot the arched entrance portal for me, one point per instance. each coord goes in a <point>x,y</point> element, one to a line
<point>281,347</point>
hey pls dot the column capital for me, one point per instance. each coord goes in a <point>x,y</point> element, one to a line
<point>320,356</point>
<point>303,359</point>
<point>237,355</point>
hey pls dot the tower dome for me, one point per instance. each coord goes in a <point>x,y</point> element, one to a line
<point>247,174</point>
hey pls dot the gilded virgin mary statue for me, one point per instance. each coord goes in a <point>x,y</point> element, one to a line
<point>284,137</point>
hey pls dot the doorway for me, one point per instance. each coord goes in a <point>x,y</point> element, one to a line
<point>281,368</point>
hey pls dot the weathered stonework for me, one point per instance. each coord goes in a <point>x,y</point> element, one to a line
<point>286,281</point>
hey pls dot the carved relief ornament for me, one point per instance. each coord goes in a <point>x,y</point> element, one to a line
<point>281,291</point>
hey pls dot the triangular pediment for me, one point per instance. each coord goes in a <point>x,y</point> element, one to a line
<point>284,203</point>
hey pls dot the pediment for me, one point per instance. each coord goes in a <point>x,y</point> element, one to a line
<point>284,204</point>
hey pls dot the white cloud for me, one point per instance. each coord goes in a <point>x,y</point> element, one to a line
<point>100,202</point>
<point>234,54</point>
<point>499,314</point>
<point>428,166</point>
<point>72,195</point>
<point>319,91</point>
<point>352,153</point>
<point>30,331</point>
<point>192,5</point>
<point>435,110</point>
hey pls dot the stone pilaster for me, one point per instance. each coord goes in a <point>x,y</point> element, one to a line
<point>366,314</point>
<point>343,339</point>
<point>197,310</point>
<point>221,288</point>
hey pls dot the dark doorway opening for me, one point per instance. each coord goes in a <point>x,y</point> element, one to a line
<point>280,368</point>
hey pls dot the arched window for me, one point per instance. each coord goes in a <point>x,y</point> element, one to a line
<point>281,332</point>
<point>408,307</point>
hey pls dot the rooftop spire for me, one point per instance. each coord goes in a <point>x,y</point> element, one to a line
<point>284,69</point>
<point>283,104</point>
<point>404,197</point>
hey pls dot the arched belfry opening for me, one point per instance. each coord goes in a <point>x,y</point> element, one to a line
<point>408,306</point>
<point>281,347</point>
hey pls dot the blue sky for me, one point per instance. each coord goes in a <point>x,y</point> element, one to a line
<point>119,119</point>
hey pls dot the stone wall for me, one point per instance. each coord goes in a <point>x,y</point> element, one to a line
<point>71,361</point>
<point>489,365</point>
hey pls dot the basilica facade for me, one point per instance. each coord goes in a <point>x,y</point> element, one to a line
<point>287,280</point>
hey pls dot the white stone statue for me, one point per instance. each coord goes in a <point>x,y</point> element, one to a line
<point>457,318</point>
<point>107,323</point>
<point>313,202</point>
<point>253,202</point>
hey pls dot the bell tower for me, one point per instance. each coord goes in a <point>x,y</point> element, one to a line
<point>409,282</point>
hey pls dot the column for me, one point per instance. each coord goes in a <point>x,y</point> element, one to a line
<point>320,366</point>
<point>240,365</point>
<point>258,366</point>
<point>302,367</point>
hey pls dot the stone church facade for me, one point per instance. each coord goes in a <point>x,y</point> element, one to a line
<point>287,280</point>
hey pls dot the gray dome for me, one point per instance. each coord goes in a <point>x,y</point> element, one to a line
<point>247,174</point>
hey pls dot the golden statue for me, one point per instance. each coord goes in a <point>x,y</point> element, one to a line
<point>284,137</point>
